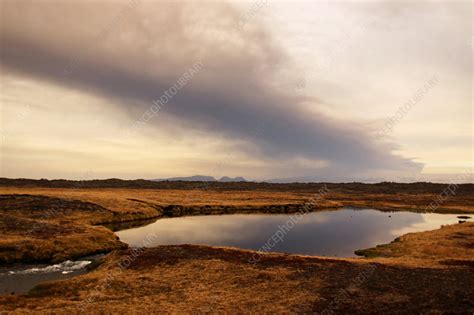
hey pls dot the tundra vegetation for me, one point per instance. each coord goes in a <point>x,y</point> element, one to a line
<point>52,221</point>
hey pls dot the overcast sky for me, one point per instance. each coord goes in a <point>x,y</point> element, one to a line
<point>264,89</point>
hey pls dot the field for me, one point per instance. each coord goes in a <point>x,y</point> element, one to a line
<point>52,221</point>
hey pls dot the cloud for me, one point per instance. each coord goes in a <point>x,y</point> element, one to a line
<point>131,52</point>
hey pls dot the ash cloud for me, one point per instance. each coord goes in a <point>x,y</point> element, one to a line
<point>131,52</point>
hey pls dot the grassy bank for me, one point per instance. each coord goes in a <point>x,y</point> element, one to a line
<point>54,224</point>
<point>417,273</point>
<point>208,279</point>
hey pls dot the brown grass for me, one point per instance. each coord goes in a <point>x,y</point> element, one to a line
<point>429,272</point>
<point>39,228</point>
<point>72,211</point>
<point>145,201</point>
<point>200,279</point>
<point>452,244</point>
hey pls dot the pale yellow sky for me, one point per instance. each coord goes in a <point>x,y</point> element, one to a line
<point>376,61</point>
<point>322,78</point>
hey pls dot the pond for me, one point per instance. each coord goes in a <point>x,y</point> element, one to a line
<point>328,233</point>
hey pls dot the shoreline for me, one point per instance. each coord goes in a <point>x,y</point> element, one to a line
<point>202,278</point>
<point>57,224</point>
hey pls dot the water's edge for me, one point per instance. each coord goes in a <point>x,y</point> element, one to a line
<point>20,278</point>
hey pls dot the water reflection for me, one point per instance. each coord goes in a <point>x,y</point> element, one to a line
<point>20,278</point>
<point>327,233</point>
<point>118,226</point>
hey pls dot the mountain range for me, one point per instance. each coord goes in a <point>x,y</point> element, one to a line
<point>203,178</point>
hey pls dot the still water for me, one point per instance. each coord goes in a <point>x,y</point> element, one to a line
<point>327,233</point>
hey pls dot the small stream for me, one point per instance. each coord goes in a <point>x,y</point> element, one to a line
<point>20,278</point>
<point>327,233</point>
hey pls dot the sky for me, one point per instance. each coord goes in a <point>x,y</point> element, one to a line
<point>293,91</point>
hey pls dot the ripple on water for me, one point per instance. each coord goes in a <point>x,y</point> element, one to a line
<point>22,278</point>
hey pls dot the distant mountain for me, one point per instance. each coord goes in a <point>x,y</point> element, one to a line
<point>202,178</point>
<point>460,178</point>
<point>230,179</point>
<point>195,178</point>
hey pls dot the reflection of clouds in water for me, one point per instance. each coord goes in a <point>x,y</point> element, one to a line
<point>202,229</point>
<point>334,233</point>
<point>217,229</point>
<point>429,221</point>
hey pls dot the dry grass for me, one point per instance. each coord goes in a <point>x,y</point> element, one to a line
<point>72,242</point>
<point>125,200</point>
<point>39,228</point>
<point>73,211</point>
<point>429,272</point>
<point>145,201</point>
<point>200,279</point>
<point>450,245</point>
